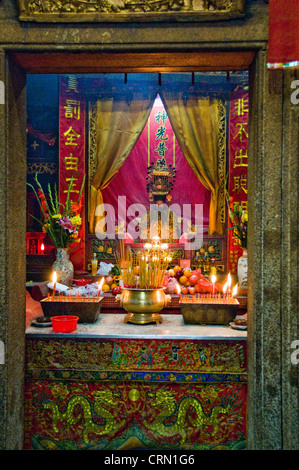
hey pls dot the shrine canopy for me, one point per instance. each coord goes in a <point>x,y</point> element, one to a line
<point>283,34</point>
<point>157,141</point>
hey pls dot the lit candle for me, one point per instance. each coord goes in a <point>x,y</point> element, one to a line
<point>147,246</point>
<point>235,290</point>
<point>178,289</point>
<point>229,283</point>
<point>100,286</point>
<point>213,282</point>
<point>224,290</point>
<point>42,248</point>
<point>54,280</point>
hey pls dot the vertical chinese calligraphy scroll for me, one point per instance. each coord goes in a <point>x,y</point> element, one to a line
<point>72,153</point>
<point>161,139</point>
<point>238,165</point>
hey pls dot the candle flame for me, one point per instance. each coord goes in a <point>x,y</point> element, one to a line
<point>164,246</point>
<point>213,278</point>
<point>224,288</point>
<point>54,277</point>
<point>42,247</point>
<point>235,290</point>
<point>178,289</point>
<point>101,283</point>
<point>229,280</point>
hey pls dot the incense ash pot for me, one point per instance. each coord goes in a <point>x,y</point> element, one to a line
<point>143,305</point>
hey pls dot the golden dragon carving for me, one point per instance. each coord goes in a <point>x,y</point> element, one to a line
<point>165,400</point>
<point>102,398</point>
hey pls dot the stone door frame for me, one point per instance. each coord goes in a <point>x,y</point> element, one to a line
<point>272,246</point>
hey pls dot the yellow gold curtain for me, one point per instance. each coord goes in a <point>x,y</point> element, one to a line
<point>195,123</point>
<point>120,120</point>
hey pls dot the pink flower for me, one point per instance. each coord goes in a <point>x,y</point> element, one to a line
<point>67,224</point>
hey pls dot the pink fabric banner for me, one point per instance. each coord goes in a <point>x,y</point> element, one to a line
<point>156,141</point>
<point>72,154</point>
<point>238,165</point>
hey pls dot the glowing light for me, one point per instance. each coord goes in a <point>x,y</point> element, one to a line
<point>235,290</point>
<point>54,280</point>
<point>100,285</point>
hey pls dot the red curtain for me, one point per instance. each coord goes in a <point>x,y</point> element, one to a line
<point>283,33</point>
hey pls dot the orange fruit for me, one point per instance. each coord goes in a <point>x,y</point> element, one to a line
<point>187,272</point>
<point>176,268</point>
<point>105,287</point>
<point>113,286</point>
<point>183,279</point>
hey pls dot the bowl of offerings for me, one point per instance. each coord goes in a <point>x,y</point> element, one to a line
<point>143,305</point>
<point>143,295</point>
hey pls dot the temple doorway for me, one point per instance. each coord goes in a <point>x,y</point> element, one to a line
<point>23,58</point>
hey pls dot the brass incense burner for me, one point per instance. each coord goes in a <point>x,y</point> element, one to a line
<point>143,305</point>
<point>209,311</point>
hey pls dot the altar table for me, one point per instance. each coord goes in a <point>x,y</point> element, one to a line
<point>111,385</point>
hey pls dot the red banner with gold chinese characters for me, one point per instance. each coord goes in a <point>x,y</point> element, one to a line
<point>238,165</point>
<point>72,154</point>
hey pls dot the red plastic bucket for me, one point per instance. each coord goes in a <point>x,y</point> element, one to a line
<point>64,323</point>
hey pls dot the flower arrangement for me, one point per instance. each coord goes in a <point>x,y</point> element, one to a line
<point>239,220</point>
<point>60,221</point>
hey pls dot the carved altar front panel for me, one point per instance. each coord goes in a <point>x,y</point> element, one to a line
<point>126,393</point>
<point>129,10</point>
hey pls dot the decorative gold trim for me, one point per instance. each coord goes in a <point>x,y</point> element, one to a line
<point>76,11</point>
<point>92,159</point>
<point>148,143</point>
<point>92,133</point>
<point>221,159</point>
<point>41,168</point>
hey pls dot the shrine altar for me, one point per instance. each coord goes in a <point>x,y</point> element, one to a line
<point>116,386</point>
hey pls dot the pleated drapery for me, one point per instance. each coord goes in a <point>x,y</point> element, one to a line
<point>195,121</point>
<point>120,121</point>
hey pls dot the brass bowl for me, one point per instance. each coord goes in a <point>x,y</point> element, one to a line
<point>143,305</point>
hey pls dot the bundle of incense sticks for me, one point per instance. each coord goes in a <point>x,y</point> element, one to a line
<point>72,298</point>
<point>152,263</point>
<point>152,269</point>
<point>127,264</point>
<point>208,299</point>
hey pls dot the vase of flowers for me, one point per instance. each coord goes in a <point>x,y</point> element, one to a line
<point>61,223</point>
<point>239,219</point>
<point>63,266</point>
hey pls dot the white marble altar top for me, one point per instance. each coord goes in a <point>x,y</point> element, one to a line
<point>172,327</point>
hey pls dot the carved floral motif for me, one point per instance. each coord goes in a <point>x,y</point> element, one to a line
<point>92,10</point>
